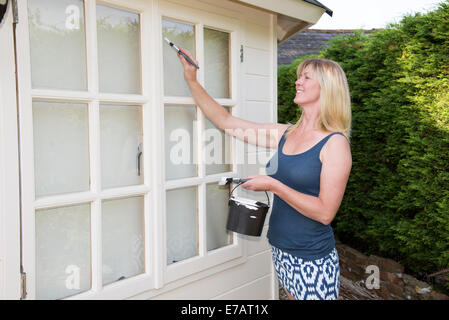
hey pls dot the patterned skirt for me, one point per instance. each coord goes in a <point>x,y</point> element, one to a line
<point>308,279</point>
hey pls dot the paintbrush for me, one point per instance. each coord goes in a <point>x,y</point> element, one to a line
<point>224,181</point>
<point>174,46</point>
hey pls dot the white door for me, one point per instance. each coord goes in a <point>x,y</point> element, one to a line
<point>85,146</point>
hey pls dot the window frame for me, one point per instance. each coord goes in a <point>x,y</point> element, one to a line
<point>95,195</point>
<point>200,20</point>
<point>9,167</point>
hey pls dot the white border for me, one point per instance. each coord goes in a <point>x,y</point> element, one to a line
<point>9,167</point>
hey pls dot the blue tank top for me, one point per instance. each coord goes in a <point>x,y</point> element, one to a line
<point>288,229</point>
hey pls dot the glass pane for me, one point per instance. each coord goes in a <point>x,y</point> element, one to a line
<point>118,36</point>
<point>57,44</point>
<point>180,142</point>
<point>216,54</point>
<point>182,230</point>
<point>183,35</point>
<point>62,251</point>
<point>216,216</point>
<point>121,145</point>
<point>217,149</point>
<point>61,147</point>
<point>123,238</point>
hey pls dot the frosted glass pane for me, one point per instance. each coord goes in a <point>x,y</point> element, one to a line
<point>57,44</point>
<point>180,142</point>
<point>217,149</point>
<point>216,54</point>
<point>216,216</point>
<point>61,147</point>
<point>183,35</point>
<point>123,238</point>
<point>182,230</point>
<point>62,251</point>
<point>121,144</point>
<point>118,36</point>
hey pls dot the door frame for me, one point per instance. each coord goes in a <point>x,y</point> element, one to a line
<point>9,166</point>
<point>94,196</point>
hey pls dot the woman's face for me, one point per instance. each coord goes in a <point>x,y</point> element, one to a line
<point>307,88</point>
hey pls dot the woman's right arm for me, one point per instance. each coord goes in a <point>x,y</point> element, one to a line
<point>261,134</point>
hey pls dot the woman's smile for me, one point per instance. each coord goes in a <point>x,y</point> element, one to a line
<point>307,88</point>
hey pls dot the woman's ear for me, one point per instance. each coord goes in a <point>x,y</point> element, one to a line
<point>3,7</point>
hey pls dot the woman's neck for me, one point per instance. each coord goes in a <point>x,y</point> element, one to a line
<point>309,120</point>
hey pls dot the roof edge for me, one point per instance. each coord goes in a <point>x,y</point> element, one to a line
<point>319,4</point>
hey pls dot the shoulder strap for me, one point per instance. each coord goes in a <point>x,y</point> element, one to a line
<point>282,141</point>
<point>321,144</point>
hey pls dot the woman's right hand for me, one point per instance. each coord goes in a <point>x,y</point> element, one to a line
<point>223,120</point>
<point>189,70</point>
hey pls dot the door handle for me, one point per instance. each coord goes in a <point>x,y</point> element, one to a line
<point>139,155</point>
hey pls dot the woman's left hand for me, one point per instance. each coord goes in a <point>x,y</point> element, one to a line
<point>259,183</point>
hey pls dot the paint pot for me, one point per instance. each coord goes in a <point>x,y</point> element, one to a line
<point>246,216</point>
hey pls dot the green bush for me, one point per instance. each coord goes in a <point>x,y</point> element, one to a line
<point>397,199</point>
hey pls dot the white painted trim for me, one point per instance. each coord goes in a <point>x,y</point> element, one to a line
<point>9,168</point>
<point>88,196</point>
<point>157,149</point>
<point>26,142</point>
<point>299,10</point>
<point>199,19</point>
<point>93,98</point>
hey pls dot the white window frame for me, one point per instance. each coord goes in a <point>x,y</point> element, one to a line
<point>95,195</point>
<point>158,277</point>
<point>9,168</point>
<point>200,20</point>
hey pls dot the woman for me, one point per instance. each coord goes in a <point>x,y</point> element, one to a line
<point>312,167</point>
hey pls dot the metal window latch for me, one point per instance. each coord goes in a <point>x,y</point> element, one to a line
<point>139,155</point>
<point>241,53</point>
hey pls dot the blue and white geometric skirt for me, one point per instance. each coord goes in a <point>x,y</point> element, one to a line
<point>308,279</point>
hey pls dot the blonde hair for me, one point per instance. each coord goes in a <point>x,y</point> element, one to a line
<point>335,100</point>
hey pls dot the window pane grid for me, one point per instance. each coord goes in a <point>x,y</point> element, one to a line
<point>72,95</point>
<point>130,97</point>
<point>209,140</point>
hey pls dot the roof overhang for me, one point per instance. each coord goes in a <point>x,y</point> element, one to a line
<point>293,16</point>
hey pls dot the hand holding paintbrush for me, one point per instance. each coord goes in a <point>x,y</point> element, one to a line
<point>189,63</point>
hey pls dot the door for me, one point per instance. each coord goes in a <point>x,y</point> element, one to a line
<point>85,139</point>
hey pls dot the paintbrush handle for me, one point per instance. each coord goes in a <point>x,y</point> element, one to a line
<point>188,59</point>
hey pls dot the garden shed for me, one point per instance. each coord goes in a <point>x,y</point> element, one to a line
<point>92,205</point>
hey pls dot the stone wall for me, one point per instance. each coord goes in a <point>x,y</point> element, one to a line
<point>393,283</point>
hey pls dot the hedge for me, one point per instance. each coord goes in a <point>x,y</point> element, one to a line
<point>397,200</point>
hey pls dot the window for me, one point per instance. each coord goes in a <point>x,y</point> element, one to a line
<point>120,167</point>
<point>87,211</point>
<point>197,154</point>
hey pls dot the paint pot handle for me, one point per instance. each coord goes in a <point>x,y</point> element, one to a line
<point>268,198</point>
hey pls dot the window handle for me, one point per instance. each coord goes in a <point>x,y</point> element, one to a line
<point>139,155</point>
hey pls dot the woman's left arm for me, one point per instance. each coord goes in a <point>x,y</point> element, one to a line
<point>336,166</point>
